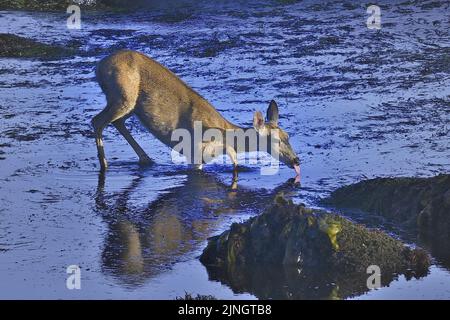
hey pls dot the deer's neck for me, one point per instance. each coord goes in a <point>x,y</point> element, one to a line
<point>251,142</point>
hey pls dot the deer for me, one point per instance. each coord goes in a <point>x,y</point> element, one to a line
<point>135,84</point>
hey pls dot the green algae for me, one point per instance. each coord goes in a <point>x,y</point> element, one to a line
<point>331,228</point>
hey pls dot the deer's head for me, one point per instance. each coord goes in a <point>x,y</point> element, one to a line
<point>283,149</point>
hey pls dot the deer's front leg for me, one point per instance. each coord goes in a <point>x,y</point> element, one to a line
<point>233,156</point>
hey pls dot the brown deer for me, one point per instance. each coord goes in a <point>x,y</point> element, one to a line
<point>135,84</point>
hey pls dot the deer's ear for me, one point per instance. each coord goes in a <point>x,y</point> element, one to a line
<point>258,120</point>
<point>272,112</point>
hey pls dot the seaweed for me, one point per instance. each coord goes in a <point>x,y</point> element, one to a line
<point>13,46</point>
<point>422,204</point>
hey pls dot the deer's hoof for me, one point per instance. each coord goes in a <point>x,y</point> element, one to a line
<point>145,161</point>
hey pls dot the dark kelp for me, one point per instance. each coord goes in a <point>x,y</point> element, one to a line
<point>109,5</point>
<point>291,251</point>
<point>52,5</point>
<point>13,46</point>
<point>35,5</point>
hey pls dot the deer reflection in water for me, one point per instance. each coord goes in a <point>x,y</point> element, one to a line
<point>144,240</point>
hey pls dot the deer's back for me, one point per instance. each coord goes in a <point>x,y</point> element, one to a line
<point>127,71</point>
<point>161,100</point>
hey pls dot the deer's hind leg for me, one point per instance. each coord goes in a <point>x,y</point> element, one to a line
<point>111,114</point>
<point>144,159</point>
<point>99,123</point>
<point>118,84</point>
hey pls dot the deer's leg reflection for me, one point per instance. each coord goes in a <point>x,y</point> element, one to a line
<point>141,239</point>
<point>99,195</point>
<point>234,180</point>
<point>122,199</point>
<point>123,251</point>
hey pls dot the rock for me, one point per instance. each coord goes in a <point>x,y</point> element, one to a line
<point>307,248</point>
<point>422,203</point>
<point>12,46</point>
<point>35,5</point>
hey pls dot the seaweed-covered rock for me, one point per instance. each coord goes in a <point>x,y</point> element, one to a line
<point>110,5</point>
<point>324,246</point>
<point>13,46</point>
<point>413,202</point>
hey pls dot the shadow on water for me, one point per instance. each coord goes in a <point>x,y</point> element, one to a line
<point>146,239</point>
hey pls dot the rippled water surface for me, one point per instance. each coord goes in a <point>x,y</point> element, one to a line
<point>357,103</point>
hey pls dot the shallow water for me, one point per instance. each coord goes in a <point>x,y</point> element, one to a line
<point>357,104</point>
